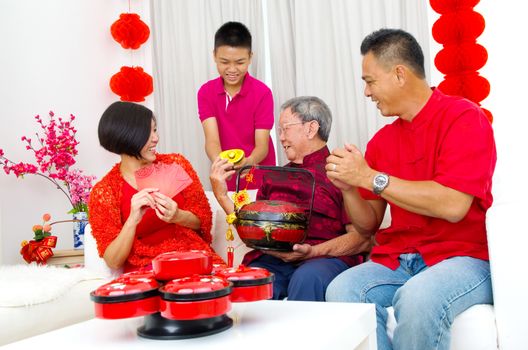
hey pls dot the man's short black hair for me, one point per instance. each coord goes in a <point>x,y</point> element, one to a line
<point>395,46</point>
<point>125,127</point>
<point>233,34</point>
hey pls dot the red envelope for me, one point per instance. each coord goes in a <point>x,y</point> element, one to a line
<point>170,179</point>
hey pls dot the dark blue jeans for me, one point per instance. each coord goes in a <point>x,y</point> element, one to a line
<point>305,280</point>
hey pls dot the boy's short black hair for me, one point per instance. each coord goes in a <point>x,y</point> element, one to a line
<point>124,128</point>
<point>233,34</point>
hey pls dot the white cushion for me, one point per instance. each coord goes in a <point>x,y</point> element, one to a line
<point>473,329</point>
<point>92,261</point>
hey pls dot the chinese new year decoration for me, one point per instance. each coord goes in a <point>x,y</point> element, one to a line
<point>240,199</point>
<point>457,30</point>
<point>131,84</point>
<point>39,249</point>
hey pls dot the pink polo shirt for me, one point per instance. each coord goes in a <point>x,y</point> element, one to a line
<point>449,141</point>
<point>250,109</point>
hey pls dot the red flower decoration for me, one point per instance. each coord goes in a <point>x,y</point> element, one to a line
<point>131,84</point>
<point>130,31</point>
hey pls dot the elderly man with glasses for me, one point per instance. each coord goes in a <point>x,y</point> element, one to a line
<point>332,245</point>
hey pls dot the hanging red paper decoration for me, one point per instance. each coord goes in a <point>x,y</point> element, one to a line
<point>457,30</point>
<point>458,58</point>
<point>131,84</point>
<point>469,85</point>
<point>445,6</point>
<point>456,27</point>
<point>130,31</point>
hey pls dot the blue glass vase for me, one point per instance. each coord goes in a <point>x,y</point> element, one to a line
<point>78,229</point>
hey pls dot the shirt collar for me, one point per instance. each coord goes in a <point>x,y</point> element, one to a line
<point>313,158</point>
<point>425,113</point>
<point>246,85</point>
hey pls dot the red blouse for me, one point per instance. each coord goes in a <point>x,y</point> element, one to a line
<point>109,207</point>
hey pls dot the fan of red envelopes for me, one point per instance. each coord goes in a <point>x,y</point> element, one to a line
<point>169,179</point>
<point>131,83</point>
<point>457,30</point>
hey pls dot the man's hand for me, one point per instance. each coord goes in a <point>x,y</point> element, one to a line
<point>346,168</point>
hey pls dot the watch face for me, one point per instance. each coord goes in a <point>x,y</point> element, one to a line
<point>381,181</point>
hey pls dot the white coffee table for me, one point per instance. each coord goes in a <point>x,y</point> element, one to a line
<point>257,325</point>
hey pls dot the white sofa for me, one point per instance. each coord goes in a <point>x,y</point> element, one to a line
<point>58,309</point>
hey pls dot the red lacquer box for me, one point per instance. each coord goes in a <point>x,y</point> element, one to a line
<point>271,224</point>
<point>129,295</point>
<point>249,283</point>
<point>195,297</point>
<point>171,265</point>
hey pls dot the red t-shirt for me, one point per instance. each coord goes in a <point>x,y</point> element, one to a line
<point>449,141</point>
<point>250,109</point>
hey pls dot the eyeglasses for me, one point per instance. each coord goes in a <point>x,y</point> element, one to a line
<point>286,126</point>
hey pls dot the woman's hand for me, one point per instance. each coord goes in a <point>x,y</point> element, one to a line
<point>140,202</point>
<point>166,209</point>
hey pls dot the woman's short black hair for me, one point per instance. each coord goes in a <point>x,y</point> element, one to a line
<point>124,128</point>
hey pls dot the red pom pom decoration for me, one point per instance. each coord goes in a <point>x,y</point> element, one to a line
<point>488,114</point>
<point>131,84</point>
<point>457,27</point>
<point>461,58</point>
<point>471,86</point>
<point>446,6</point>
<point>130,31</point>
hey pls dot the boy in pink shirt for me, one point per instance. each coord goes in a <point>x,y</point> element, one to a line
<point>236,110</point>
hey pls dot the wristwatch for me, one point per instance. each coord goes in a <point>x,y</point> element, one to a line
<point>380,182</point>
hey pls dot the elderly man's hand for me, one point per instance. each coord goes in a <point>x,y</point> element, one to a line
<point>221,170</point>
<point>300,252</point>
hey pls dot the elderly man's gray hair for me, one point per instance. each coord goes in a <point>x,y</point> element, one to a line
<point>310,108</point>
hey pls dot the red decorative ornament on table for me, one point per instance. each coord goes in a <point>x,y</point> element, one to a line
<point>39,249</point>
<point>457,30</point>
<point>194,305</point>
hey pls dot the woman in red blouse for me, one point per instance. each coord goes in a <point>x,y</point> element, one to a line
<point>133,226</point>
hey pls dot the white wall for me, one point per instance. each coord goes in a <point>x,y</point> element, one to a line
<point>56,55</point>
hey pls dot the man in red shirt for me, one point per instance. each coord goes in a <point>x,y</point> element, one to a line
<point>434,166</point>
